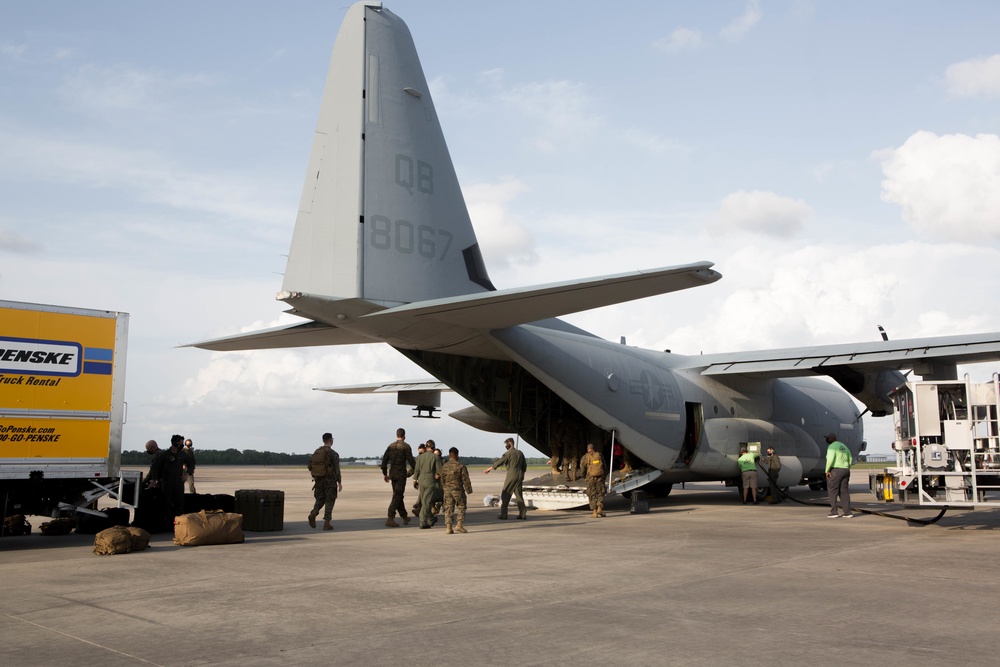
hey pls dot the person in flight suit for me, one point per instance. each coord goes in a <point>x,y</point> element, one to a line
<point>513,484</point>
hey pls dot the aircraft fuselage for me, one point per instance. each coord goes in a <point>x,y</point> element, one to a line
<point>658,404</point>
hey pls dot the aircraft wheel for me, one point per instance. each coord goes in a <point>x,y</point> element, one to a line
<point>659,490</point>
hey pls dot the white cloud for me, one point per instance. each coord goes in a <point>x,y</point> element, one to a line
<point>974,77</point>
<point>122,88</point>
<point>946,185</point>
<point>681,39</point>
<point>824,294</point>
<point>504,239</point>
<point>561,115</point>
<point>13,51</point>
<point>742,25</point>
<point>18,243</point>
<point>760,212</point>
<point>147,175</point>
<point>562,111</point>
<point>652,143</point>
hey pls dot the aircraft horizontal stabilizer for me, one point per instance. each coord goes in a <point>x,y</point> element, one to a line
<point>867,357</point>
<point>510,307</point>
<point>424,395</point>
<point>308,334</point>
<point>389,387</point>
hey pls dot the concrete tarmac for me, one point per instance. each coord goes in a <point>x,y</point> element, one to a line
<point>700,580</point>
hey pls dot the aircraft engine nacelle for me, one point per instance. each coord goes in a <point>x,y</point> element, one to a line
<point>872,389</point>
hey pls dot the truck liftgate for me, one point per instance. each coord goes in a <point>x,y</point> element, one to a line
<point>947,446</point>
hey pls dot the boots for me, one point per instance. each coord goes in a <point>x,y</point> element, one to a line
<point>389,523</point>
<point>600,510</point>
<point>406,521</point>
<point>594,514</point>
<point>312,519</point>
<point>555,471</point>
<point>326,525</point>
<point>447,525</point>
<point>459,528</point>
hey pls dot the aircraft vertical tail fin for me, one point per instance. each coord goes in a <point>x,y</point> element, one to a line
<point>382,217</point>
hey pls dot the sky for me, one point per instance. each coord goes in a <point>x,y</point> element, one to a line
<point>839,162</point>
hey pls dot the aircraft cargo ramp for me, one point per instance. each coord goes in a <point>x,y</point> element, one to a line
<point>555,492</point>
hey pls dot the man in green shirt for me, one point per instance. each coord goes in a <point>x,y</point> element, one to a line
<point>513,458</point>
<point>838,475</point>
<point>748,473</point>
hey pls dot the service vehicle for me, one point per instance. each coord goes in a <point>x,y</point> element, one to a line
<point>62,409</point>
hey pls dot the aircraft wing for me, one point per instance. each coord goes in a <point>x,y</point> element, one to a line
<point>867,357</point>
<point>308,334</point>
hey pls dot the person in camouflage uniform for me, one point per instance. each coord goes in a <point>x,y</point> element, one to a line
<point>593,467</point>
<point>397,465</point>
<point>572,439</point>
<point>426,472</point>
<point>513,484</point>
<point>456,483</point>
<point>325,487</point>
<point>556,445</point>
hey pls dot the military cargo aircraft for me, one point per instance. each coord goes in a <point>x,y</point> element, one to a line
<point>384,251</point>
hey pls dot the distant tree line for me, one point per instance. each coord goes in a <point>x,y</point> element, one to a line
<point>251,457</point>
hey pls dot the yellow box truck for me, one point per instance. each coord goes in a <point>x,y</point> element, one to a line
<point>62,407</point>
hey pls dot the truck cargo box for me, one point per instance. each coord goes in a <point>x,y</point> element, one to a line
<point>62,404</point>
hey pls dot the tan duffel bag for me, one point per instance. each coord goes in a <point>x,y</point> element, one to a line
<point>194,530</point>
<point>113,540</point>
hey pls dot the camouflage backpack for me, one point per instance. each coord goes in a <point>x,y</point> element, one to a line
<point>319,464</point>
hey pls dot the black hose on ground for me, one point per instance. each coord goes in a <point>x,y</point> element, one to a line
<point>922,522</point>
